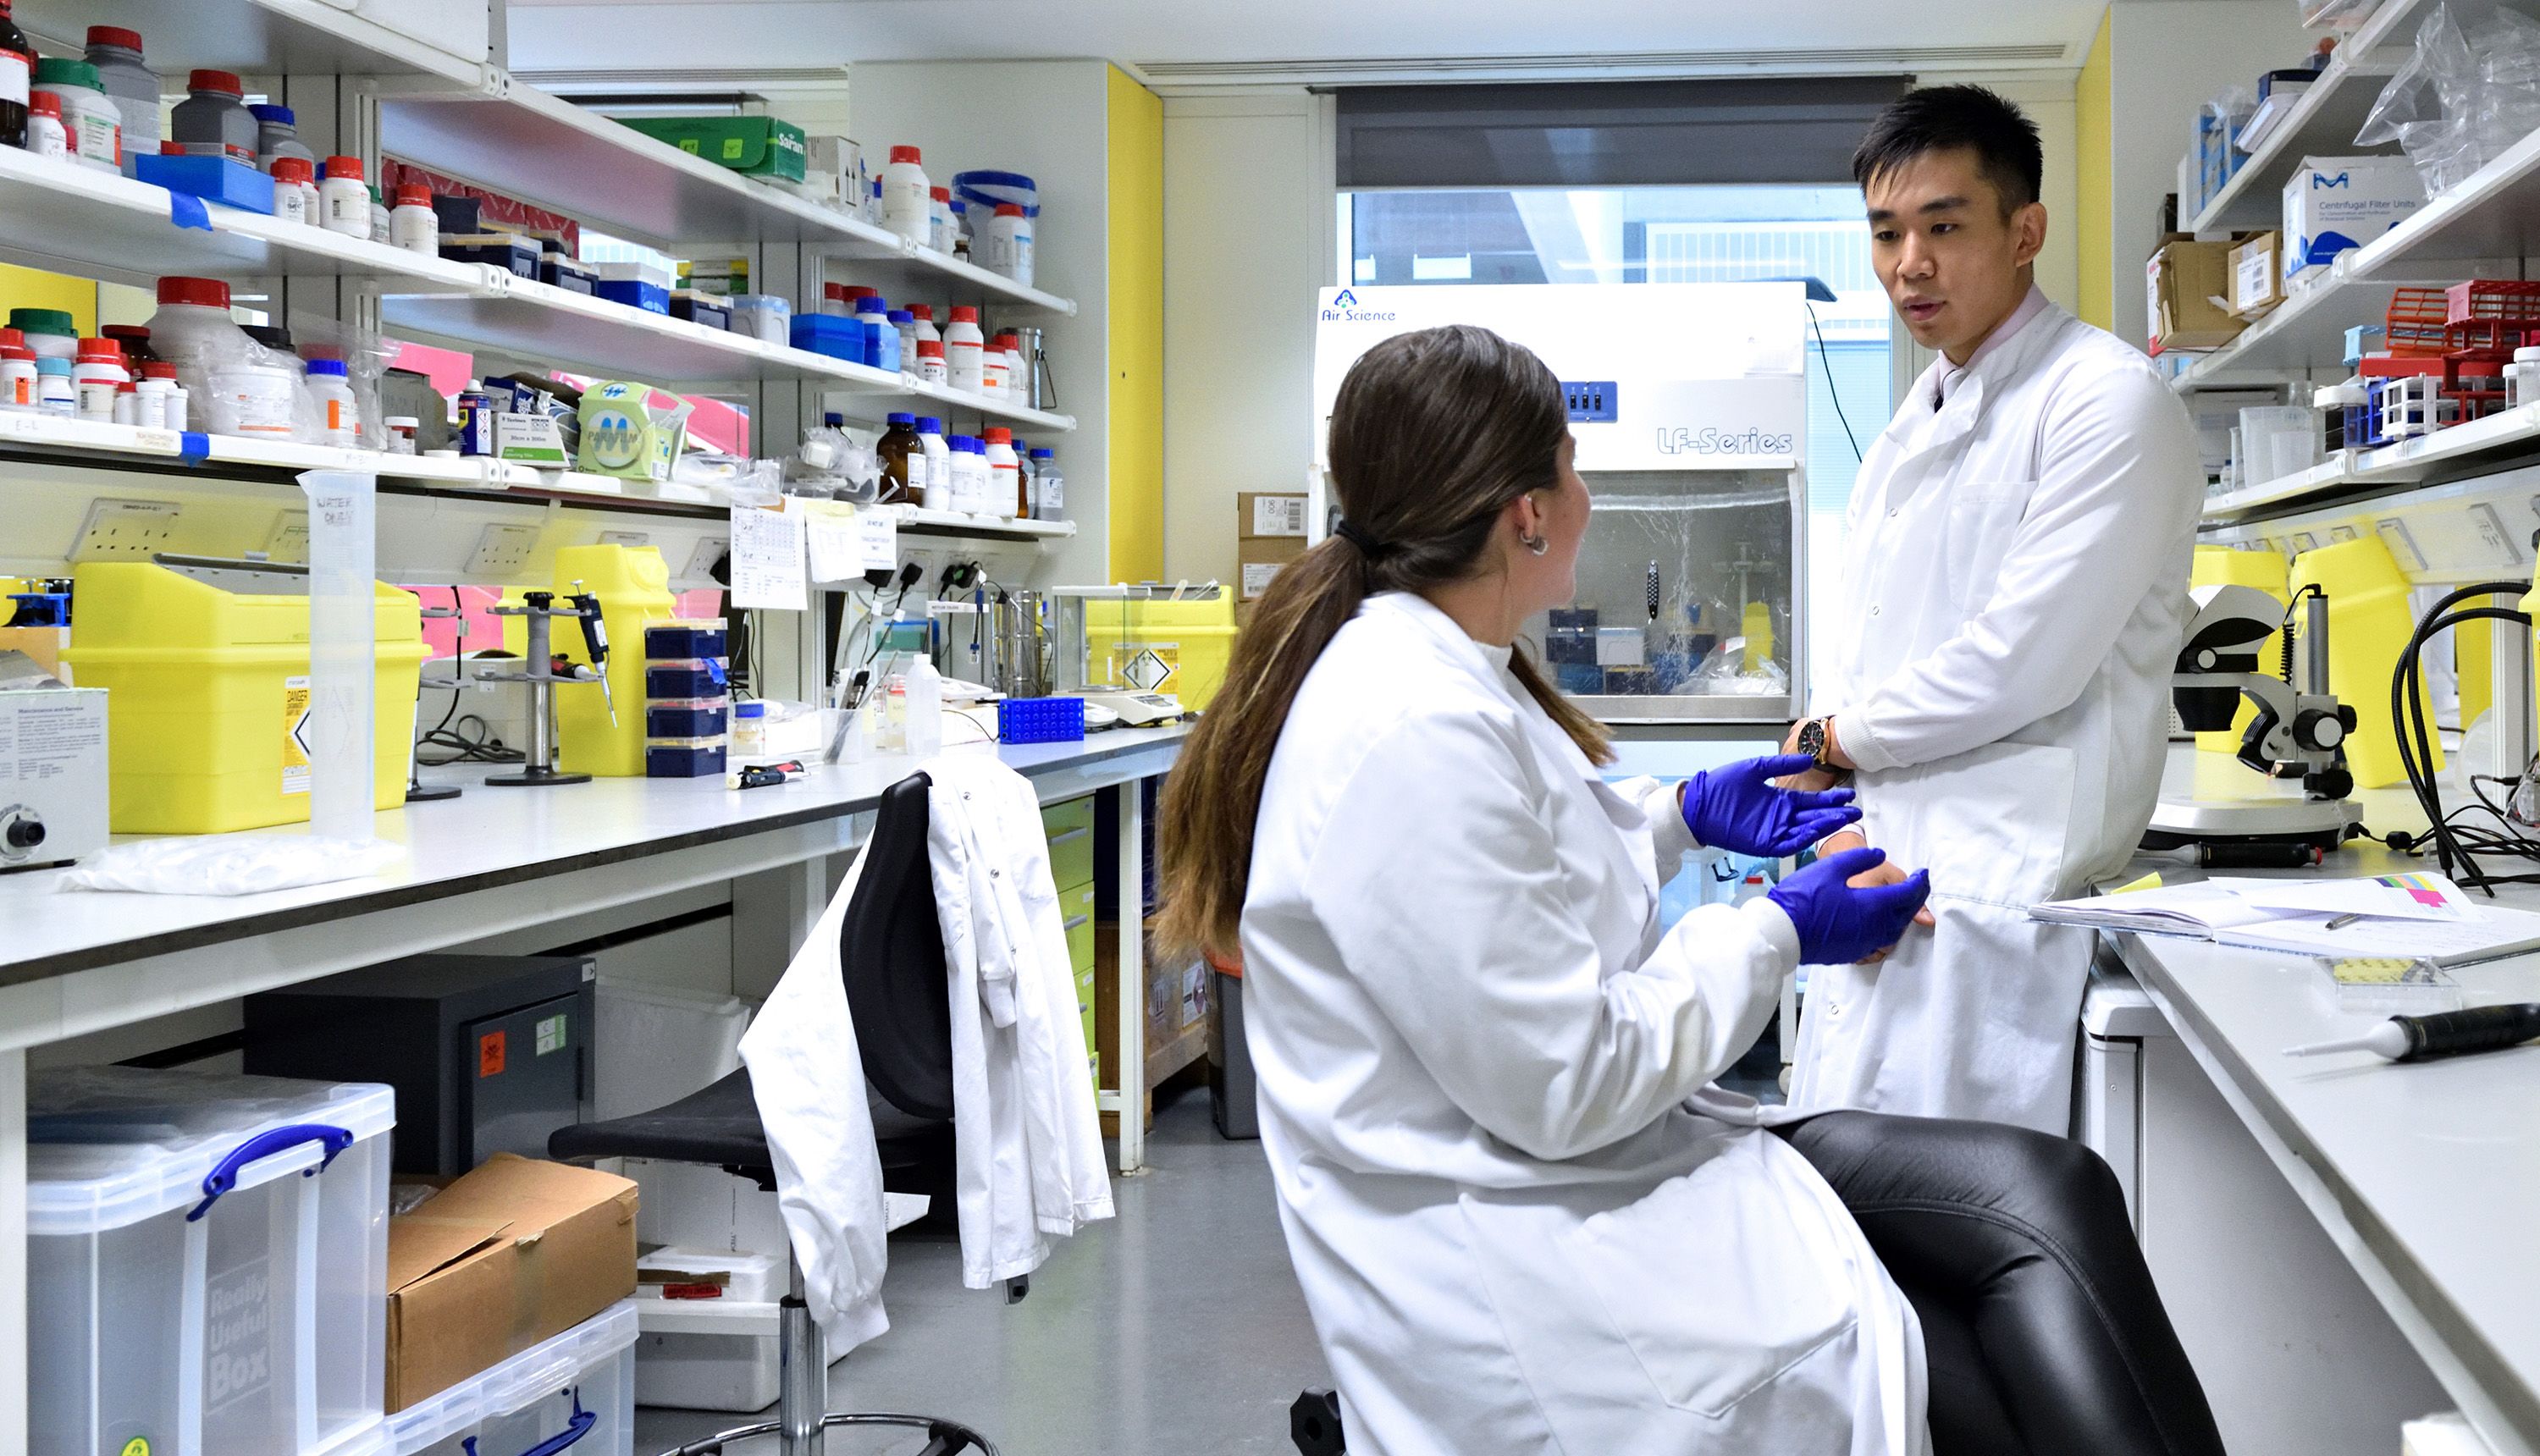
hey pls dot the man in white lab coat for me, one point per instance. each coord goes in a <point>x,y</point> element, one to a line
<point>2015,585</point>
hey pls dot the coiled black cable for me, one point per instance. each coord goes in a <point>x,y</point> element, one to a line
<point>2456,842</point>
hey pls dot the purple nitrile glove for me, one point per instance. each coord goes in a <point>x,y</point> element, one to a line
<point>1736,809</point>
<point>1838,924</point>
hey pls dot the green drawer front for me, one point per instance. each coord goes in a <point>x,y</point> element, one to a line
<point>1070,826</point>
<point>1076,911</point>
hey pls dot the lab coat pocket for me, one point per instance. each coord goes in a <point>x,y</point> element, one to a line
<point>1713,1284</point>
<point>1991,824</point>
<point>1983,517</point>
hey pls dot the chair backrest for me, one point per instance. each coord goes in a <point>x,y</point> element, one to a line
<point>890,950</point>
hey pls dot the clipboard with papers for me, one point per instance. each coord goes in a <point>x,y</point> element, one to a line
<point>2424,917</point>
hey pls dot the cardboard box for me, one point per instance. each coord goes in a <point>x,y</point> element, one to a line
<point>2187,286</point>
<point>2336,203</point>
<point>1268,514</point>
<point>514,1253</point>
<point>2257,276</point>
<point>1259,558</point>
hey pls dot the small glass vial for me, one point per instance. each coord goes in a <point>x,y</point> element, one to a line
<point>749,729</point>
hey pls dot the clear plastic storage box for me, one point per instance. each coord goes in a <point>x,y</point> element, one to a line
<point>206,1256</point>
<point>575,1392</point>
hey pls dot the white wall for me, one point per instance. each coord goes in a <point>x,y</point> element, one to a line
<point>1248,239</point>
<point>2169,57</point>
<point>1062,144</point>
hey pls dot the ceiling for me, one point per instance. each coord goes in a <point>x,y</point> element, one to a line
<point>1231,42</point>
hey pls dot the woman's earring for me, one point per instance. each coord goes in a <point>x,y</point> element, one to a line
<point>1536,544</point>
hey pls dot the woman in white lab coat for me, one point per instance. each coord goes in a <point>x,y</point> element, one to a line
<point>1523,1219</point>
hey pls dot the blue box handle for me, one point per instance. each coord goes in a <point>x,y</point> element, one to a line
<point>573,1430</point>
<point>223,1177</point>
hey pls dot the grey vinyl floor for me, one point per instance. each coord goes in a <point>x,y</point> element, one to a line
<point>1175,1329</point>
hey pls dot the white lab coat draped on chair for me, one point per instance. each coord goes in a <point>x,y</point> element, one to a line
<point>1029,1140</point>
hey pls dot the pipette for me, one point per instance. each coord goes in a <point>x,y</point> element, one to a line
<point>2440,1034</point>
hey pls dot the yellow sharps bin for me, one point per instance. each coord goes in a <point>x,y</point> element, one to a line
<point>205,667</point>
<point>1179,647</point>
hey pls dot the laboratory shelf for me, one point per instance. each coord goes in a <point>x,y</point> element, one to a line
<point>2321,124</point>
<point>2477,448</point>
<point>912,387</point>
<point>257,37</point>
<point>523,142</point>
<point>963,523</point>
<point>2306,332</point>
<point>537,321</point>
<point>71,219</point>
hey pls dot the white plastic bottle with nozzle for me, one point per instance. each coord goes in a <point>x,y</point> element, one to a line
<point>925,710</point>
<point>907,202</point>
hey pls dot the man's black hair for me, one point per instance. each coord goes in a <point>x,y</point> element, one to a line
<point>1946,118</point>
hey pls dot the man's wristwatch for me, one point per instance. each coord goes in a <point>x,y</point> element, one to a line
<point>1812,742</point>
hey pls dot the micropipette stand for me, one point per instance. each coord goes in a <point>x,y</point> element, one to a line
<point>541,676</point>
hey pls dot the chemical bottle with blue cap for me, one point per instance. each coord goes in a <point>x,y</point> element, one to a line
<point>277,135</point>
<point>881,339</point>
<point>339,417</point>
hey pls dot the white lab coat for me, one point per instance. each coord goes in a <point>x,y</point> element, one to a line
<point>1027,1139</point>
<point>807,1075</point>
<point>2015,578</point>
<point>1522,1220</point>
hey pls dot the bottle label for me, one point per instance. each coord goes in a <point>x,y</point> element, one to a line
<point>14,69</point>
<point>334,414</point>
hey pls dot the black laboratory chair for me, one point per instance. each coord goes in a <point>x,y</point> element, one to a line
<point>891,952</point>
<point>2041,1328</point>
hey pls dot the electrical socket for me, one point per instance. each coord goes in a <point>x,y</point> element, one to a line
<point>290,538</point>
<point>627,538</point>
<point>2403,546</point>
<point>701,561</point>
<point>126,530</point>
<point>2491,530</point>
<point>503,551</point>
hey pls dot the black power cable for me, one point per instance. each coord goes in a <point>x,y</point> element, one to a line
<point>2455,838</point>
<point>1832,393</point>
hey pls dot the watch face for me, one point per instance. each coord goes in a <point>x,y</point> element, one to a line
<point>1812,739</point>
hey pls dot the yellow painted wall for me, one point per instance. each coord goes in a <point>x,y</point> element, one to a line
<point>26,288</point>
<point>2094,138</point>
<point>1137,330</point>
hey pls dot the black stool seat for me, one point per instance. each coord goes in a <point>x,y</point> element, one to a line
<point>720,1126</point>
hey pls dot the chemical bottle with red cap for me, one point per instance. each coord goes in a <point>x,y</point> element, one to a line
<point>1005,477</point>
<point>96,377</point>
<point>907,201</point>
<point>295,192</point>
<point>964,349</point>
<point>412,224</point>
<point>17,79</point>
<point>213,120</point>
<point>345,199</point>
<point>1005,243</point>
<point>940,226</point>
<point>130,84</point>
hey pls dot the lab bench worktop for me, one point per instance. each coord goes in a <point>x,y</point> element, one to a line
<point>2425,1175</point>
<point>492,837</point>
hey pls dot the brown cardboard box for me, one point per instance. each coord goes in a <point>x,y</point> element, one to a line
<point>516,1252</point>
<point>1259,558</point>
<point>2257,276</point>
<point>1263,515</point>
<point>2187,288</point>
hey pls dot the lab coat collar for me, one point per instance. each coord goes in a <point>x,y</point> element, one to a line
<point>1460,647</point>
<point>1920,428</point>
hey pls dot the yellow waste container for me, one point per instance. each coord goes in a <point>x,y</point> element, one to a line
<point>2369,624</point>
<point>206,675</point>
<point>633,584</point>
<point>1179,647</point>
<point>2221,566</point>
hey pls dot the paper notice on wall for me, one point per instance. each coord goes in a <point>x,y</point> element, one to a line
<point>768,569</point>
<point>833,538</point>
<point>879,531</point>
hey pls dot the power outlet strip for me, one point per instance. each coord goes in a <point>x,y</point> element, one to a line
<point>126,530</point>
<point>503,552</point>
